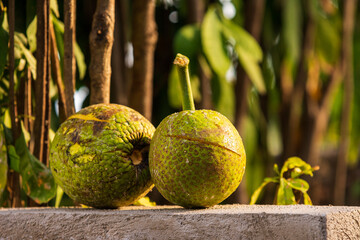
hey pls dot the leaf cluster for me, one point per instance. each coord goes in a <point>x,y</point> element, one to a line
<point>288,181</point>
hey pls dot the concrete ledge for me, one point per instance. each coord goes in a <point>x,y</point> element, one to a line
<point>170,222</point>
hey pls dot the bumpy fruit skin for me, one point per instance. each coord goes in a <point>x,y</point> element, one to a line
<point>196,158</point>
<point>99,156</point>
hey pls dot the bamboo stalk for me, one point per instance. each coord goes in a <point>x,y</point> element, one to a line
<point>13,177</point>
<point>347,69</point>
<point>43,76</point>
<point>56,74</point>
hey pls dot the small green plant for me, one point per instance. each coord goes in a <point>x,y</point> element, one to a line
<point>289,182</point>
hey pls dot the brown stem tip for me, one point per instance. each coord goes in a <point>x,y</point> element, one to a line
<point>181,60</point>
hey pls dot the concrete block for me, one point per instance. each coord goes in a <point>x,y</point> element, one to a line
<point>172,222</point>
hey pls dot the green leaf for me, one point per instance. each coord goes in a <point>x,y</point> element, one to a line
<point>37,180</point>
<point>14,158</point>
<point>251,68</point>
<point>223,96</point>
<point>187,41</point>
<point>269,72</point>
<point>328,40</point>
<point>298,184</point>
<point>54,8</point>
<point>213,43</point>
<point>273,137</point>
<point>79,56</point>
<point>31,34</point>
<point>285,195</point>
<point>4,38</point>
<point>3,162</point>
<point>30,59</point>
<point>59,195</point>
<point>300,167</point>
<point>292,29</point>
<point>144,201</point>
<point>248,51</point>
<point>80,61</point>
<point>307,200</point>
<point>243,39</point>
<point>256,194</point>
<point>276,169</point>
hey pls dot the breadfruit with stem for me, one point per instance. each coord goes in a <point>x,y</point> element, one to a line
<point>197,158</point>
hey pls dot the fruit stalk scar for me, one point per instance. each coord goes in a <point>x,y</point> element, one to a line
<point>182,64</point>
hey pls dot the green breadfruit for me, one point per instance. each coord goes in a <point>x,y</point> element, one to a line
<point>196,158</point>
<point>99,156</point>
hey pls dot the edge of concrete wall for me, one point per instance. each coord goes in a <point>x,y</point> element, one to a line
<point>171,222</point>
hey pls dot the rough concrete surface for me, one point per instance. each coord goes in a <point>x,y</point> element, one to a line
<point>170,222</point>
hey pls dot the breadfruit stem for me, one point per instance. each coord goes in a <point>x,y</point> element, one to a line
<point>182,64</point>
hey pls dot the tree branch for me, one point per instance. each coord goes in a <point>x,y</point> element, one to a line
<point>56,75</point>
<point>69,57</point>
<point>144,38</point>
<point>101,42</point>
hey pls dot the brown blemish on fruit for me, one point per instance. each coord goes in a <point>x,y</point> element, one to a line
<point>97,127</point>
<point>203,142</point>
<point>106,115</point>
<point>75,137</point>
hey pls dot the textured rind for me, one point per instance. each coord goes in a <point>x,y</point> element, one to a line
<point>197,158</point>
<point>90,156</point>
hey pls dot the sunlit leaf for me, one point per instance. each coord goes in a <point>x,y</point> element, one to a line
<point>27,54</point>
<point>144,201</point>
<point>251,68</point>
<point>243,39</point>
<point>298,184</point>
<point>54,7</point>
<point>31,34</point>
<point>295,162</point>
<point>37,180</point>
<point>3,162</point>
<point>213,44</point>
<point>256,194</point>
<point>224,97</point>
<point>307,200</point>
<point>80,61</point>
<point>4,38</point>
<point>14,159</point>
<point>273,137</point>
<point>276,169</point>
<point>59,195</point>
<point>285,195</point>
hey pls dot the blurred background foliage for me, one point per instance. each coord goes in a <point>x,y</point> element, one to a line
<point>285,72</point>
